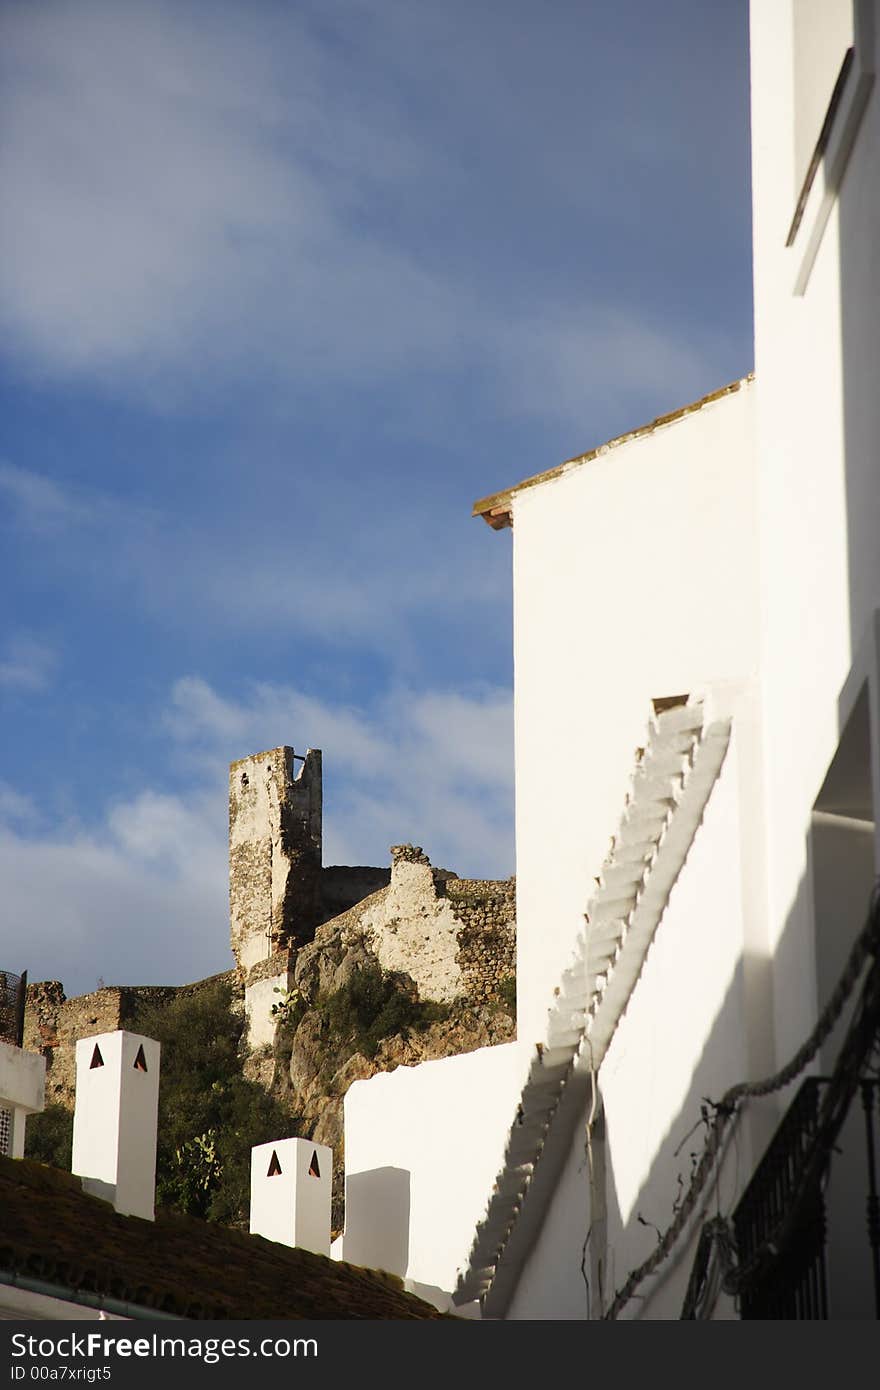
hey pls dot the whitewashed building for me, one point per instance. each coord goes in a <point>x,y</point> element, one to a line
<point>697,742</point>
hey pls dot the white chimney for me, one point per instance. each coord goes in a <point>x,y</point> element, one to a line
<point>114,1124</point>
<point>22,1093</point>
<point>291,1183</point>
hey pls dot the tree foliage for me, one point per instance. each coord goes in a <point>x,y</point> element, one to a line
<point>210,1115</point>
<point>371,1006</point>
<point>48,1137</point>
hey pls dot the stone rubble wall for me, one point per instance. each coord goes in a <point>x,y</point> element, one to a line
<point>486,911</point>
<point>454,937</point>
<point>275,810</point>
<point>52,1023</point>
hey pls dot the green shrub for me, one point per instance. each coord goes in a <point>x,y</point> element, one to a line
<point>48,1137</point>
<point>507,993</point>
<point>210,1115</point>
<point>371,1006</point>
<point>290,1008</point>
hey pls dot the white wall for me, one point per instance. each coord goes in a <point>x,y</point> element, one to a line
<point>635,576</point>
<point>557,1280</point>
<point>676,562</point>
<point>823,30</point>
<point>423,1146</point>
<point>114,1123</point>
<point>22,1078</point>
<point>260,998</point>
<point>682,1037</point>
<point>818,417</point>
<point>735,550</point>
<point>22,1090</point>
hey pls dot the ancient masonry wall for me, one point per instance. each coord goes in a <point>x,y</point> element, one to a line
<point>275,810</point>
<point>52,1022</point>
<point>486,910</point>
<point>455,938</point>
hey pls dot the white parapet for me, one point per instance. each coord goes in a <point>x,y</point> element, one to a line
<point>422,1148</point>
<point>114,1124</point>
<point>291,1184</point>
<point>22,1093</point>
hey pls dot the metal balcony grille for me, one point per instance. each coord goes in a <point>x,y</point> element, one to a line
<point>13,990</point>
<point>5,1130</point>
<point>792,1282</point>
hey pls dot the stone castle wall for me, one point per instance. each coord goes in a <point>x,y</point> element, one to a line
<point>486,909</point>
<point>275,811</point>
<point>52,1023</point>
<point>455,938</point>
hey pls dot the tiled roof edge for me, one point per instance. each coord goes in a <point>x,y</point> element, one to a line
<point>496,509</point>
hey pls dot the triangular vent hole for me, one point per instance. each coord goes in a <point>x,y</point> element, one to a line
<point>140,1061</point>
<point>97,1059</point>
<point>314,1170</point>
<point>274,1166</point>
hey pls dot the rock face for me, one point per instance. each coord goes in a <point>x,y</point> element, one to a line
<point>349,1016</point>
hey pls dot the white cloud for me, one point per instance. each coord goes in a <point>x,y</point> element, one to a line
<point>41,503</point>
<point>81,907</point>
<point>177,188</point>
<point>338,582</point>
<point>436,766</point>
<point>141,897</point>
<point>195,194</point>
<point>16,808</point>
<point>26,665</point>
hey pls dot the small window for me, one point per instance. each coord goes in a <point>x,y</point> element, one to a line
<point>97,1059</point>
<point>140,1061</point>
<point>274,1169</point>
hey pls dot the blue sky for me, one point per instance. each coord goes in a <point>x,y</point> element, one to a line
<point>285,287</point>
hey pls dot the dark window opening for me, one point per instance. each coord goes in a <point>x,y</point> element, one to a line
<point>274,1166</point>
<point>314,1170</point>
<point>97,1059</point>
<point>140,1061</point>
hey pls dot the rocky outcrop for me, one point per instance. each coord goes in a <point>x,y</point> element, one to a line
<point>410,974</point>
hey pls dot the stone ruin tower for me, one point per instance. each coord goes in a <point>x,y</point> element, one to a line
<point>275,802</point>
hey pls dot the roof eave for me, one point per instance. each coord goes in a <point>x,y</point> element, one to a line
<point>496,509</point>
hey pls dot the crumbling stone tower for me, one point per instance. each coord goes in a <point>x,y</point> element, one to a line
<point>275,804</point>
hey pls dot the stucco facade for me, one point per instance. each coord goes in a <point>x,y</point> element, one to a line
<point>723,559</point>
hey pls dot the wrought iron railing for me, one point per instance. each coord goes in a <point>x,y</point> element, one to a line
<point>789,1278</point>
<point>871,1105</point>
<point>13,991</point>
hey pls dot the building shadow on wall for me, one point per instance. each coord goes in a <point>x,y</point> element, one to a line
<point>634,1236</point>
<point>377,1211</point>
